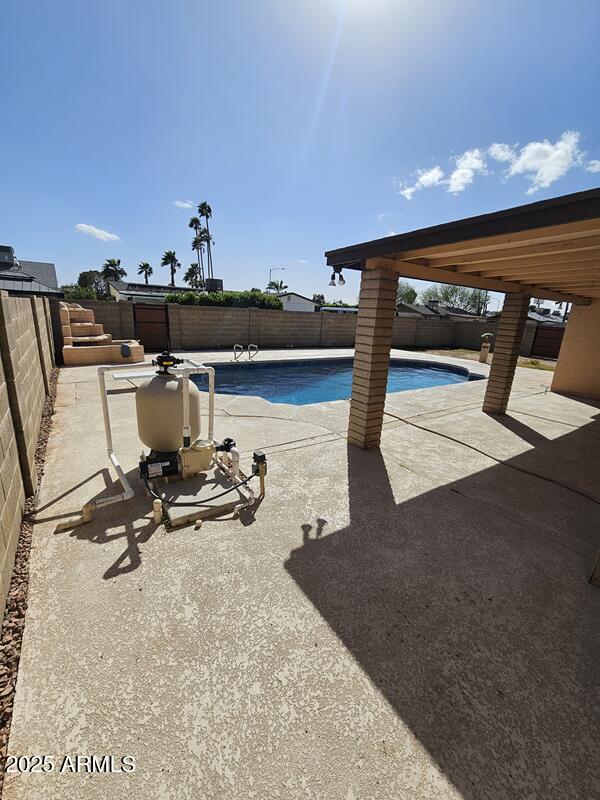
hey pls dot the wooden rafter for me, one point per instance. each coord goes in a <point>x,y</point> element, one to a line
<point>420,272</point>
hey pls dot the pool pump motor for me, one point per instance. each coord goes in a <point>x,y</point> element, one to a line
<point>189,477</point>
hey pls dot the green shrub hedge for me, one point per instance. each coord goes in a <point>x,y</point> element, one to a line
<point>251,299</point>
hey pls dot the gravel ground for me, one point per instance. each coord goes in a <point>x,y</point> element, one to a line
<point>13,623</point>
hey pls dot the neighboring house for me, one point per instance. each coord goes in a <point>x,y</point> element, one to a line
<point>27,277</point>
<point>544,315</point>
<point>297,302</point>
<point>340,309</point>
<point>433,309</point>
<point>143,292</point>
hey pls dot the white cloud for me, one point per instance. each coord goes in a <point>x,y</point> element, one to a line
<point>302,261</point>
<point>386,215</point>
<point>183,203</point>
<point>502,152</point>
<point>469,164</point>
<point>426,178</point>
<point>97,233</point>
<point>543,162</point>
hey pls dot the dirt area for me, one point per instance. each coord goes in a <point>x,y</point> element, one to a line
<point>473,355</point>
<point>13,624</point>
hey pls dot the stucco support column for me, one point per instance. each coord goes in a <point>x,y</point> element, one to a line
<point>507,346</point>
<point>374,327</point>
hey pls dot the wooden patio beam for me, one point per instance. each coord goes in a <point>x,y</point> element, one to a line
<point>408,270</point>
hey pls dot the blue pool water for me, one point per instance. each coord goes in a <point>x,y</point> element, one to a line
<point>302,382</point>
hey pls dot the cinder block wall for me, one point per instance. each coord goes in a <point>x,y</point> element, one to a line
<point>337,330</point>
<point>116,318</point>
<point>434,333</point>
<point>205,327</point>
<point>24,378</point>
<point>578,366</point>
<point>12,494</point>
<point>43,340</point>
<point>288,329</point>
<point>467,334</point>
<point>405,330</point>
<point>210,327</point>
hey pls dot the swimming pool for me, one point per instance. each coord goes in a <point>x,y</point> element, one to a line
<point>316,381</point>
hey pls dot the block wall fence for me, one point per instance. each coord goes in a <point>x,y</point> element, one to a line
<point>213,328</point>
<point>26,362</point>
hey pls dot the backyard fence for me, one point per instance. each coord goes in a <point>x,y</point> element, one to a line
<point>216,328</point>
<point>27,359</point>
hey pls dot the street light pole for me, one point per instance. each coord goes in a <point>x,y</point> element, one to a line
<point>272,270</point>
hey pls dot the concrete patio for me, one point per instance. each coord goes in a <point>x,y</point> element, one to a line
<point>414,622</point>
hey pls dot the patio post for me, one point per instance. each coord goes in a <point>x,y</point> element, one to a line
<point>507,345</point>
<point>374,328</point>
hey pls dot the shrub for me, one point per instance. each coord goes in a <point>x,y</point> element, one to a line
<point>79,293</point>
<point>252,299</point>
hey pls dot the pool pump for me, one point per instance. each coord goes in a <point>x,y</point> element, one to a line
<point>189,477</point>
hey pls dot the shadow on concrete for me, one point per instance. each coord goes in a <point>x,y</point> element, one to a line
<point>130,521</point>
<point>475,622</point>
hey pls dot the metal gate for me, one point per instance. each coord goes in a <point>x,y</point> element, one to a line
<point>151,325</point>
<point>547,342</point>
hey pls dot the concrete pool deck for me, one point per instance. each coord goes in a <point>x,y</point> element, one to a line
<point>414,622</point>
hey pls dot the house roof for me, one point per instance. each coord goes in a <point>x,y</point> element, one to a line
<point>549,249</point>
<point>295,294</point>
<point>428,311</point>
<point>554,320</point>
<point>125,287</point>
<point>31,277</point>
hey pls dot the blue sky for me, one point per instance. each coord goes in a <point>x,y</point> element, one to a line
<point>306,124</point>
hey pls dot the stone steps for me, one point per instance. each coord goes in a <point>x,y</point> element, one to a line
<point>86,329</point>
<point>105,338</point>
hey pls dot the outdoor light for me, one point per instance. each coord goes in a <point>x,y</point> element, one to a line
<point>341,280</point>
<point>332,281</point>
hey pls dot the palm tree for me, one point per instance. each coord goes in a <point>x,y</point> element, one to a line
<point>169,259</point>
<point>145,269</point>
<point>276,286</point>
<point>112,270</point>
<point>197,244</point>
<point>205,211</point>
<point>192,276</point>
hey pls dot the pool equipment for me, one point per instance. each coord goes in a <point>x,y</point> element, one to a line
<point>184,474</point>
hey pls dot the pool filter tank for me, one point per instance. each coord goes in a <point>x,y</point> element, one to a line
<point>159,410</point>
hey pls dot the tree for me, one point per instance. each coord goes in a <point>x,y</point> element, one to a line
<point>198,244</point>
<point>199,241</point>
<point>112,270</point>
<point>79,292</point>
<point>145,269</point>
<point>479,301</point>
<point>92,279</point>
<point>169,259</point>
<point>406,292</point>
<point>276,286</point>
<point>205,212</point>
<point>473,300</point>
<point>319,299</point>
<point>192,276</point>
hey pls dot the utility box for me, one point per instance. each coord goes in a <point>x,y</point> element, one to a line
<point>213,284</point>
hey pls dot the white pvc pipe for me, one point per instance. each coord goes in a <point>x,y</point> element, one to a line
<point>235,463</point>
<point>192,369</point>
<point>198,369</point>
